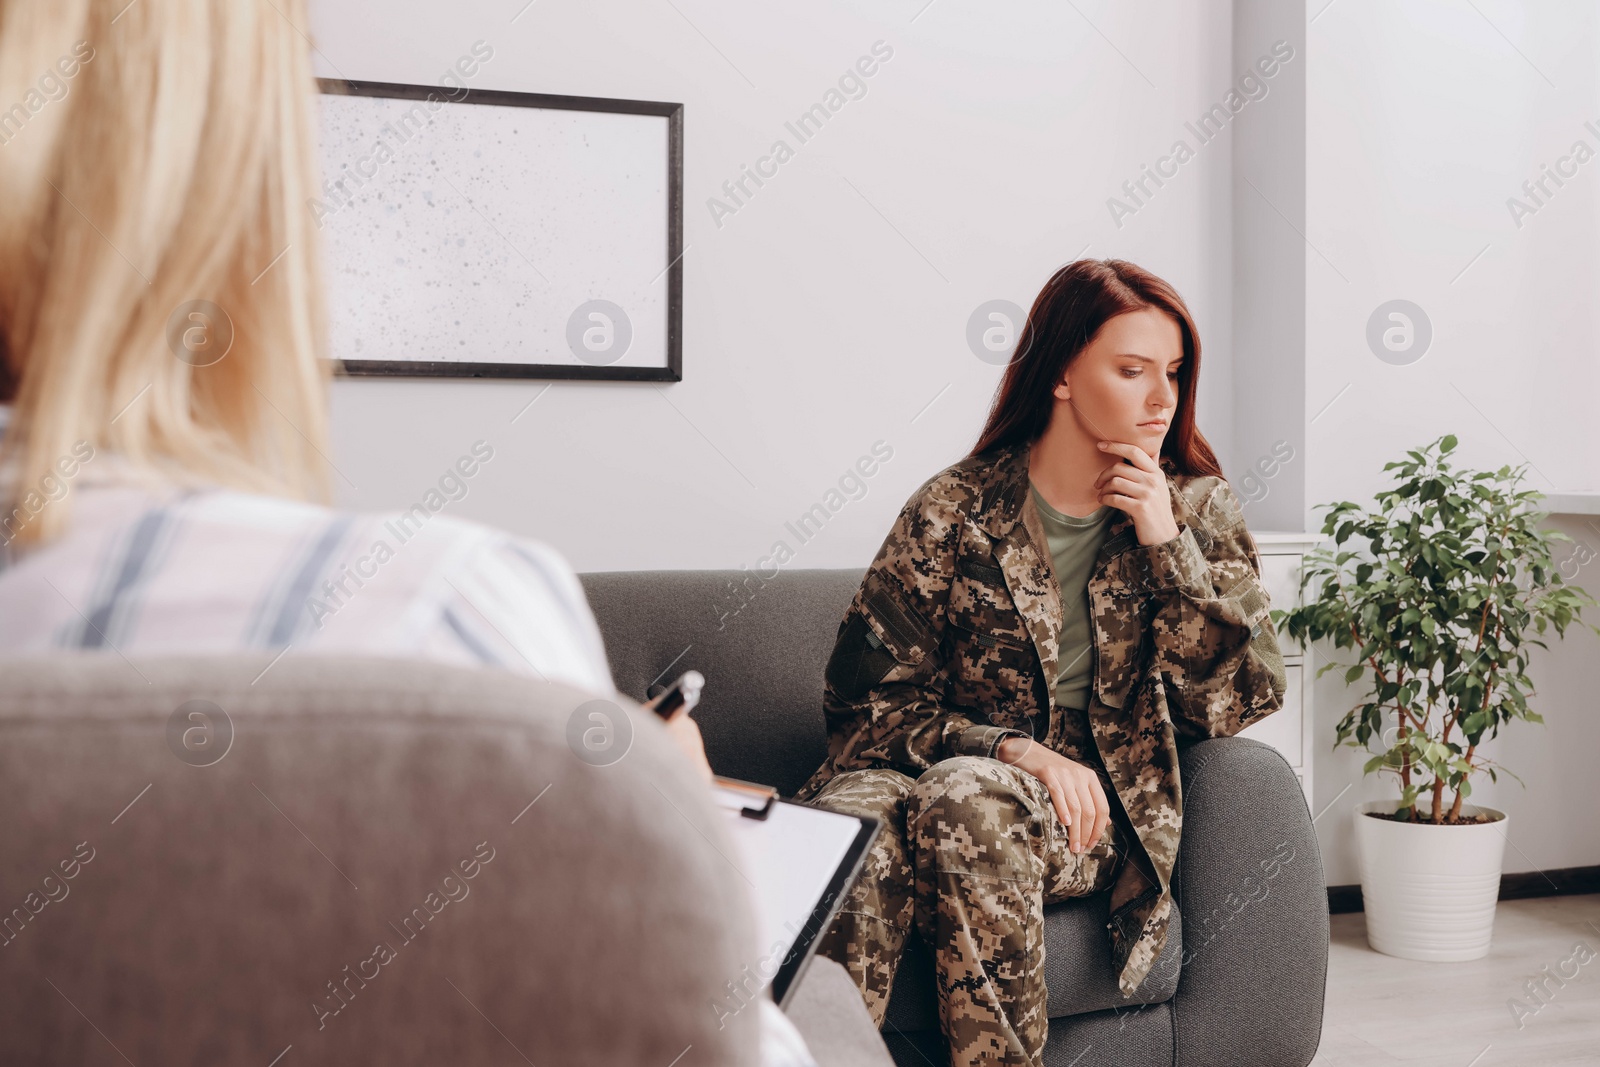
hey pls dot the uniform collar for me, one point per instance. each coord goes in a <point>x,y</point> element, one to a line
<point>1003,490</point>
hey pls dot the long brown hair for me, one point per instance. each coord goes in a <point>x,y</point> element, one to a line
<point>1066,315</point>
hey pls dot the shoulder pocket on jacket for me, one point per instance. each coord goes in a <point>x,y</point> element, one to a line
<point>859,659</point>
<point>883,632</point>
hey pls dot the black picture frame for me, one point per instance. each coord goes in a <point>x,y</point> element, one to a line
<point>672,112</point>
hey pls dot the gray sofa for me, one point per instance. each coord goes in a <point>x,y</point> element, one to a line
<point>1241,980</point>
<point>154,909</point>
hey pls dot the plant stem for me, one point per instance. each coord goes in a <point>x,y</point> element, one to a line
<point>1455,809</point>
<point>1377,668</point>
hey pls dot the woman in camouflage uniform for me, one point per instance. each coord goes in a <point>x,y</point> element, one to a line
<point>1015,728</point>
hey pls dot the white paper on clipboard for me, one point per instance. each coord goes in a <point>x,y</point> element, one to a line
<point>790,857</point>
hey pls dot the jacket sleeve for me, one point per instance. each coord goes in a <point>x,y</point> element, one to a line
<point>885,678</point>
<point>1215,647</point>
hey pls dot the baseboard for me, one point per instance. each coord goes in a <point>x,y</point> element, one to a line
<point>1559,882</point>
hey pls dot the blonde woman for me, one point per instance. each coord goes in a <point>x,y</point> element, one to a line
<point>164,450</point>
<point>164,478</point>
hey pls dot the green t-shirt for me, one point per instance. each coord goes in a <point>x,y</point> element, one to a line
<point>1074,544</point>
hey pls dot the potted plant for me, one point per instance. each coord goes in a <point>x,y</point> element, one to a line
<point>1451,584</point>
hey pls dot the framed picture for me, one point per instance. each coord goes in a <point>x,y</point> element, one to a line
<point>483,234</point>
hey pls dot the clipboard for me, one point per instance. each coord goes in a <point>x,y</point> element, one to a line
<point>800,860</point>
<point>747,798</point>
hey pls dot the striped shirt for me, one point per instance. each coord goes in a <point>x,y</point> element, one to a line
<point>146,568</point>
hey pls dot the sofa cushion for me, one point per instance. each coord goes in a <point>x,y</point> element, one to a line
<point>1077,968</point>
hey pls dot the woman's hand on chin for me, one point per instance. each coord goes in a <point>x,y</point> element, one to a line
<point>1139,488</point>
<point>1075,790</point>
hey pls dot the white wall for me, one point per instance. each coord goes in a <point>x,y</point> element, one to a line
<point>831,310</point>
<point>1422,119</point>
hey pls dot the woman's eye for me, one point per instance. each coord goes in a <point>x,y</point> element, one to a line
<point>1130,372</point>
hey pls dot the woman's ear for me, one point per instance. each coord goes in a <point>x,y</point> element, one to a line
<point>1063,390</point>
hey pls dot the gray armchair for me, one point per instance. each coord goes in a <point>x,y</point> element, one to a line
<point>534,907</point>
<point>1240,982</point>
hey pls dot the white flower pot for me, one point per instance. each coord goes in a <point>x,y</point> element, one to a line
<point>1430,891</point>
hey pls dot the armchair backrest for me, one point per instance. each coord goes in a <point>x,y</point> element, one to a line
<point>212,859</point>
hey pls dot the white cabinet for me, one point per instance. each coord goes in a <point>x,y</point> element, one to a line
<point>1289,729</point>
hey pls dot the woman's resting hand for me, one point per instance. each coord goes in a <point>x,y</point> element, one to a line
<point>1075,790</point>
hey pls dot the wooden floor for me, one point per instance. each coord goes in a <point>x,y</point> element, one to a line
<point>1382,1010</point>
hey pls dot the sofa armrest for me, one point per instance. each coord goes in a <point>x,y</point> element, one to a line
<point>828,1011</point>
<point>1255,911</point>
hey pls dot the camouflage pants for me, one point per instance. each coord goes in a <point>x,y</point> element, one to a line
<point>969,854</point>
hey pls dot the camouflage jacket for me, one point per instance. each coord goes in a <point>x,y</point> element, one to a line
<point>950,645</point>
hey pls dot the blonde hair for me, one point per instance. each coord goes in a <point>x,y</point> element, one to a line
<point>172,165</point>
